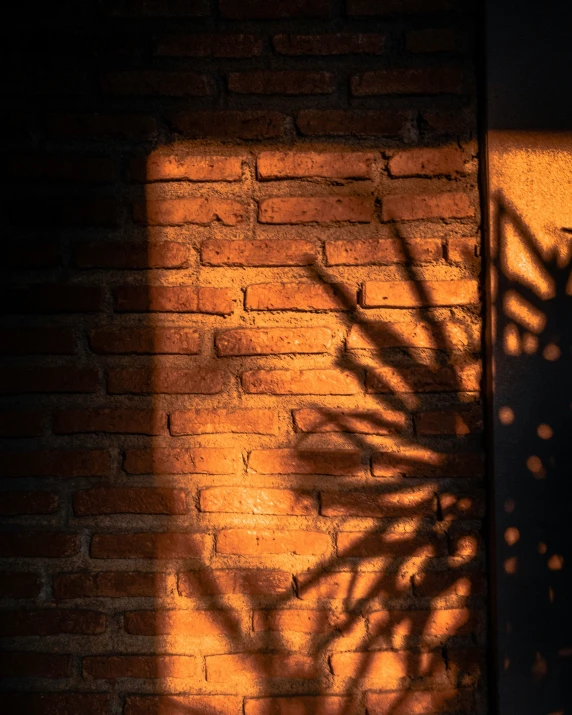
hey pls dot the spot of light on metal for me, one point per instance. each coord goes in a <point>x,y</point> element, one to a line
<point>506,415</point>
<point>556,562</point>
<point>511,535</point>
<point>511,565</point>
<point>544,431</point>
<point>551,352</point>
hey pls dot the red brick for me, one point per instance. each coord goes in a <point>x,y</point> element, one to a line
<point>148,546</point>
<point>60,167</point>
<point>145,341</point>
<point>300,382</point>
<point>332,44</point>
<point>27,380</point>
<point>461,421</point>
<point>289,82</point>
<point>338,462</point>
<point>220,45</point>
<point>293,165</point>
<point>56,463</point>
<point>183,705</point>
<point>300,296</point>
<point>250,582</point>
<point>176,212</point>
<point>423,378</point>
<point>131,255</point>
<point>295,621</point>
<point>273,341</point>
<point>35,502</point>
<point>258,666</point>
<point>21,424</point>
<point>166,460</point>
<point>427,463</point>
<point>300,705</point>
<point>38,544</point>
<point>258,252</point>
<point>362,123</point>
<point>52,299</point>
<point>409,207</point>
<point>383,252</point>
<point>357,421</point>
<point>414,294</point>
<point>450,123</point>
<point>432,335</point>
<point>168,164</point>
<point>37,341</point>
<point>442,80</point>
<point>277,10</point>
<point>140,666</point>
<point>462,506</point>
<point>150,83</point>
<point>351,586</point>
<point>446,161</point>
<point>55,703</point>
<point>132,127</point>
<point>443,585</point>
<point>113,421</point>
<point>463,250</point>
<point>415,702</point>
<point>144,500</point>
<point>385,669</point>
<point>396,503</point>
<point>31,254</point>
<point>107,584</point>
<point>256,543</point>
<point>220,421</point>
<point>51,621</point>
<point>173,299</point>
<point>19,584</point>
<point>244,500</point>
<point>302,209</point>
<point>388,544</point>
<point>230,124</point>
<point>441,39</point>
<point>165,380</point>
<point>35,665</point>
<point>177,622</point>
<point>391,7</point>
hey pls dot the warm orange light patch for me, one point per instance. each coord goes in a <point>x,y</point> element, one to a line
<point>544,431</point>
<point>506,415</point>
<point>535,466</point>
<point>511,535</point>
<point>511,340</point>
<point>556,562</point>
<point>551,352</point>
<point>511,565</point>
<point>542,548</point>
<point>521,311</point>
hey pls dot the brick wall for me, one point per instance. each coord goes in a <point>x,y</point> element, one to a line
<point>242,466</point>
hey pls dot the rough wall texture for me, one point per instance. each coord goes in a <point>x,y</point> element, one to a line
<point>243,468</point>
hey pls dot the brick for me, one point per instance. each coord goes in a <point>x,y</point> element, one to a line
<point>462,506</point>
<point>463,250</point>
<point>148,546</point>
<point>415,294</point>
<point>465,420</point>
<point>183,705</point>
<point>220,421</point>
<point>166,460</point>
<point>300,705</point>
<point>362,123</point>
<point>419,702</point>
<point>107,584</point>
<point>60,167</point>
<point>300,382</point>
<point>230,124</point>
<point>439,39</point>
<point>337,462</point>
<point>257,543</point>
<point>35,665</point>
<point>19,584</point>
<point>130,127</point>
<point>55,703</point>
<point>300,296</point>
<point>278,10</point>
<point>388,544</point>
<point>258,666</point>
<point>383,252</point>
<point>410,207</point>
<point>244,500</point>
<point>140,666</point>
<point>356,421</point>
<point>56,463</point>
<point>351,586</point>
<point>443,585</point>
<point>331,44</point>
<point>427,463</point>
<point>302,209</point>
<point>450,123</point>
<point>391,7</point>
<point>387,669</point>
<point>435,80</point>
<point>300,165</point>
<point>249,582</point>
<point>176,212</point>
<point>149,500</point>
<point>156,83</point>
<point>110,421</point>
<point>131,255</point>
<point>295,621</point>
<point>21,424</point>
<point>165,165</point>
<point>52,299</point>
<point>31,254</point>
<point>445,161</point>
<point>397,503</point>
<point>163,380</point>
<point>446,335</point>
<point>423,379</point>
<point>176,622</point>
<point>37,341</point>
<point>173,299</point>
<point>289,82</point>
<point>51,621</point>
<point>273,341</point>
<point>220,45</point>
<point>258,252</point>
<point>145,341</point>
<point>38,544</point>
<point>29,380</point>
<point>33,502</point>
